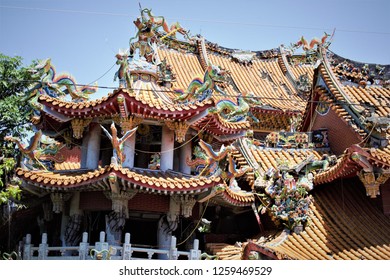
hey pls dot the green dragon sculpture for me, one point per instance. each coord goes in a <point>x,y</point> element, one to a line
<point>57,86</point>
<point>235,112</point>
<point>199,90</point>
<point>206,159</point>
<point>40,153</point>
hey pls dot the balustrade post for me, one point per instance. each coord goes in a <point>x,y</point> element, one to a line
<point>195,252</point>
<point>101,245</point>
<point>83,249</point>
<point>43,248</point>
<point>126,252</point>
<point>173,250</point>
<point>27,248</point>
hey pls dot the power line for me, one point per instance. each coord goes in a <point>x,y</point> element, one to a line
<point>335,102</point>
<point>197,20</point>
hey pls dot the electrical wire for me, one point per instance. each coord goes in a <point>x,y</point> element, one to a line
<point>197,225</point>
<point>105,73</point>
<point>336,102</point>
<point>241,23</point>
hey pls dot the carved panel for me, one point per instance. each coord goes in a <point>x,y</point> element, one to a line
<point>78,126</point>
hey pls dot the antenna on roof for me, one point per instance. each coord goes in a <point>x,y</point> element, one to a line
<point>139,4</point>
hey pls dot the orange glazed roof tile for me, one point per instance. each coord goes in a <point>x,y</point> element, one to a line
<point>264,78</point>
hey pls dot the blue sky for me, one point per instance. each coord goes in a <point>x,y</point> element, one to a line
<point>82,37</point>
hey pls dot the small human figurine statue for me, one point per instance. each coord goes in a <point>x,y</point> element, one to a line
<point>117,143</point>
<point>123,71</point>
<point>155,162</point>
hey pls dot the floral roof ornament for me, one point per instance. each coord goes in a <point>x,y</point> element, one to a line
<point>304,84</point>
<point>244,57</point>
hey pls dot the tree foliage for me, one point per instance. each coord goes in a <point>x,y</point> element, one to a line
<point>14,119</point>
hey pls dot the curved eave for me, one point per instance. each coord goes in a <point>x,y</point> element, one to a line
<point>347,167</point>
<point>344,168</point>
<point>262,110</point>
<point>108,106</point>
<point>214,124</point>
<point>232,199</point>
<point>144,180</point>
<point>320,94</point>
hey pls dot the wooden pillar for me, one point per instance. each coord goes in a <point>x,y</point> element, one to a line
<point>74,208</point>
<point>92,161</point>
<point>129,152</point>
<point>84,151</point>
<point>167,146</point>
<point>185,152</point>
<point>64,223</point>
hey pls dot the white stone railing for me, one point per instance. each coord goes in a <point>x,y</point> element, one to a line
<point>102,250</point>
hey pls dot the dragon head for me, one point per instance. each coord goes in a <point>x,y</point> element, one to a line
<point>216,73</point>
<point>42,66</point>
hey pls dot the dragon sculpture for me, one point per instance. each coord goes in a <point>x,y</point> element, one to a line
<point>315,41</point>
<point>57,86</point>
<point>199,90</point>
<point>232,112</point>
<point>40,152</point>
<point>219,163</point>
<point>148,25</point>
<point>206,158</point>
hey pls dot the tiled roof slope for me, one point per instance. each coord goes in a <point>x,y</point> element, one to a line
<point>345,224</point>
<point>186,66</point>
<point>302,69</point>
<point>264,78</point>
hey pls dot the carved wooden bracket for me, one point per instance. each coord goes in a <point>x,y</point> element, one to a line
<point>58,200</point>
<point>180,129</point>
<point>181,205</point>
<point>120,201</point>
<point>372,183</point>
<point>128,123</point>
<point>187,203</point>
<point>78,126</point>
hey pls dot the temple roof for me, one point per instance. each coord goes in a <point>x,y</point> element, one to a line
<point>345,225</point>
<point>359,96</point>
